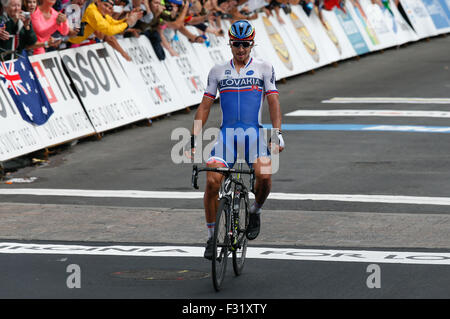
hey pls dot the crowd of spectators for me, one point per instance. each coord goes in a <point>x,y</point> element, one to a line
<point>40,26</point>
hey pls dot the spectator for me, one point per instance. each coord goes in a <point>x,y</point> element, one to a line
<point>29,6</point>
<point>17,33</point>
<point>237,14</point>
<point>98,19</point>
<point>46,21</point>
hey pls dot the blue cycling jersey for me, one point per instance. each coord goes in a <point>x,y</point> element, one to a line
<point>241,94</point>
<point>241,99</point>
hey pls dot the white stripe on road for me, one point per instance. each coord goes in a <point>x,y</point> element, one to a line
<point>391,199</point>
<point>343,255</point>
<point>401,100</point>
<point>384,113</point>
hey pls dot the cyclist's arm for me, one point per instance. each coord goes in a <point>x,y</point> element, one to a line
<point>274,110</point>
<point>208,99</point>
<point>202,115</point>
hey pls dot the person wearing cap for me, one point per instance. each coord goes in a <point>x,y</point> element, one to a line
<point>243,83</point>
<point>98,19</point>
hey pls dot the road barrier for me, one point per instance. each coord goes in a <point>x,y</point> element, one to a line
<point>92,89</point>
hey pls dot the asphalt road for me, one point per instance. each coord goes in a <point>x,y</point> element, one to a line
<point>338,162</point>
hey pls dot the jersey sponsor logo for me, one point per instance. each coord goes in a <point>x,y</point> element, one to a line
<point>229,83</point>
<point>251,72</point>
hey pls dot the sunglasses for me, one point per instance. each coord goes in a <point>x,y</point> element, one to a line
<point>245,44</point>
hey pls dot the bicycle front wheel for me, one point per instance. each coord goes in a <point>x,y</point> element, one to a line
<point>221,242</point>
<point>240,251</point>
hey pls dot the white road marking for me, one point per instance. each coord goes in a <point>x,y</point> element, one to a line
<point>401,100</point>
<point>342,255</point>
<point>391,199</point>
<point>380,113</point>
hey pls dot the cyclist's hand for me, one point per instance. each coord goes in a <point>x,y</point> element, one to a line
<point>278,145</point>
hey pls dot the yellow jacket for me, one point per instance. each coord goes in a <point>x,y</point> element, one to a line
<point>97,22</point>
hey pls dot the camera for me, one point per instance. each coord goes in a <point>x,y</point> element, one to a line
<point>169,7</point>
<point>26,14</point>
<point>81,32</point>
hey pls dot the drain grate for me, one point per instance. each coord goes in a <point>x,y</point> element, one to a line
<point>161,274</point>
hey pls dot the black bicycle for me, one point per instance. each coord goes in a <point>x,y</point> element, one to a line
<point>231,220</point>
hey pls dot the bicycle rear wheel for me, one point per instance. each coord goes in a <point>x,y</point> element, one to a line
<point>221,242</point>
<point>240,252</point>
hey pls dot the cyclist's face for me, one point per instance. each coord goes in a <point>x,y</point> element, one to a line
<point>240,53</point>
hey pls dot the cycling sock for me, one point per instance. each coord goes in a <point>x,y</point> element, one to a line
<point>255,208</point>
<point>211,227</point>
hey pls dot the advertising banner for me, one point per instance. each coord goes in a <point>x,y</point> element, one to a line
<point>316,46</point>
<point>438,15</point>
<point>214,50</point>
<point>446,6</point>
<point>396,22</point>
<point>352,31</point>
<point>384,24</point>
<point>149,77</point>
<point>332,23</point>
<point>186,70</point>
<point>17,137</point>
<point>272,46</point>
<point>419,17</point>
<point>69,120</point>
<point>106,94</point>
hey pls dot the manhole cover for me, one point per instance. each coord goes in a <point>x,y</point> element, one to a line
<point>158,274</point>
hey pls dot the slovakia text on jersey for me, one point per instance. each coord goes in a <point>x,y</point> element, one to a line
<point>241,94</point>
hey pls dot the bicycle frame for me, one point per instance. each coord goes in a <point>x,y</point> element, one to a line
<point>233,195</point>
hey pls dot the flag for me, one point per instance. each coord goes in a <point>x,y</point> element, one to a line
<point>25,89</point>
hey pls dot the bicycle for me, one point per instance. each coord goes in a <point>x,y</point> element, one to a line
<point>232,219</point>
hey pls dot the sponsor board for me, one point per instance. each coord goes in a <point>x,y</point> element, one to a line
<point>419,17</point>
<point>352,32</point>
<point>107,96</point>
<point>17,137</point>
<point>69,120</point>
<point>305,37</point>
<point>438,15</point>
<point>278,43</point>
<point>149,76</point>
<point>186,70</point>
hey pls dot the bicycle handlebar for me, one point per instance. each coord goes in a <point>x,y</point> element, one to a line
<point>222,170</point>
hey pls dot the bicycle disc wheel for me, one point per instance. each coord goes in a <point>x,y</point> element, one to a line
<point>220,257</point>
<point>240,252</point>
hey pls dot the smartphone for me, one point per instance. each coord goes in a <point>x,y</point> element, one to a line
<point>81,32</point>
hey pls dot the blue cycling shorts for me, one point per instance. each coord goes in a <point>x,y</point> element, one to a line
<point>243,143</point>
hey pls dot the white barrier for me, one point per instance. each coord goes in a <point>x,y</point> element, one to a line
<point>149,77</point>
<point>108,97</point>
<point>187,71</point>
<point>69,120</point>
<point>419,17</point>
<point>17,137</point>
<point>111,92</point>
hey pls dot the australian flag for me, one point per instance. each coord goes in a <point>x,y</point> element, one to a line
<point>25,89</point>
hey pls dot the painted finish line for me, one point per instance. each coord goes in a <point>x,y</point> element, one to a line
<point>390,199</point>
<point>380,113</point>
<point>343,255</point>
<point>400,100</point>
<point>363,127</point>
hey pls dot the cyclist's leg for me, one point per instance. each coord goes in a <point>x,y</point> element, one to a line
<point>210,198</point>
<point>263,179</point>
<point>258,157</point>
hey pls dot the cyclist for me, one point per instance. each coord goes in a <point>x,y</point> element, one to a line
<point>243,83</point>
